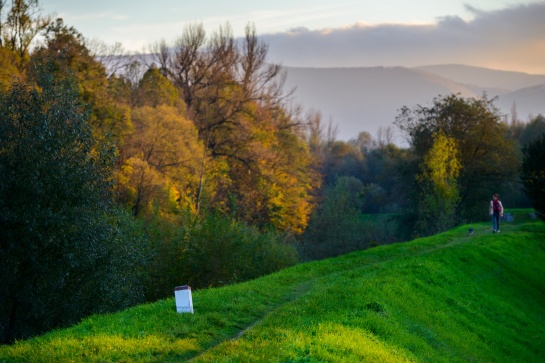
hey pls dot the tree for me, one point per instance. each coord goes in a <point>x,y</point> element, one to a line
<point>336,226</point>
<point>150,89</point>
<point>342,159</point>
<point>219,251</point>
<point>23,23</point>
<point>9,72</point>
<point>65,48</point>
<point>285,182</point>
<point>161,159</point>
<point>533,174</point>
<point>439,198</point>
<point>532,130</point>
<point>236,101</point>
<point>2,5</point>
<point>487,156</point>
<point>155,89</point>
<point>62,243</point>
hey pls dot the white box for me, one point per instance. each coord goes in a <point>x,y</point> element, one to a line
<point>184,302</point>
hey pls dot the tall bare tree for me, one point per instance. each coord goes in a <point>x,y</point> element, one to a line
<point>237,101</point>
<point>22,24</point>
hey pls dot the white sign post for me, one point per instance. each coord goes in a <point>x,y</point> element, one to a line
<point>184,302</point>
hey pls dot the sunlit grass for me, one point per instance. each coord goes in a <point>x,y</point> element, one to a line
<point>454,297</point>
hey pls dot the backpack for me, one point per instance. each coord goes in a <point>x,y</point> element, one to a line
<point>496,206</point>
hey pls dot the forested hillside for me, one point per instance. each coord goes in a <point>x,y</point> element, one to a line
<point>123,176</point>
<point>368,98</point>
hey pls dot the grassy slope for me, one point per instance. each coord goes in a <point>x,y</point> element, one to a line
<point>447,298</point>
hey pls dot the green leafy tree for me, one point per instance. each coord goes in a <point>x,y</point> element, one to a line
<point>155,89</point>
<point>386,167</point>
<point>488,158</point>
<point>335,227</point>
<point>342,159</point>
<point>221,251</point>
<point>151,89</point>
<point>532,130</point>
<point>533,174</point>
<point>64,251</point>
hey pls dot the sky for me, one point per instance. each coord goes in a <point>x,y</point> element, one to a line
<point>497,34</point>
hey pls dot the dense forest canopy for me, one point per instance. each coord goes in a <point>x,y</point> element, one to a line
<point>125,176</point>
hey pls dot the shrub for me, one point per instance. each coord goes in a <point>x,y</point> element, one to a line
<point>166,246</point>
<point>222,251</point>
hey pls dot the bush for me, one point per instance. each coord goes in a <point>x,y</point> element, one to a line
<point>166,246</point>
<point>222,251</point>
<point>208,250</point>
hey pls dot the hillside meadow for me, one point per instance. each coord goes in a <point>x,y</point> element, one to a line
<point>453,297</point>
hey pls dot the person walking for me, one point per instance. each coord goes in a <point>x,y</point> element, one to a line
<point>496,212</point>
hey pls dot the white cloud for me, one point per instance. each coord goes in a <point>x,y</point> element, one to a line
<point>512,38</point>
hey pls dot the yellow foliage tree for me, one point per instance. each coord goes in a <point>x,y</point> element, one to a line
<point>442,165</point>
<point>161,160</point>
<point>272,181</point>
<point>290,183</point>
<point>440,196</point>
<point>8,68</point>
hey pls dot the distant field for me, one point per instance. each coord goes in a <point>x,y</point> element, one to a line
<point>453,297</point>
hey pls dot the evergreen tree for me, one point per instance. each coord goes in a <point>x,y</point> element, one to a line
<point>533,174</point>
<point>63,253</point>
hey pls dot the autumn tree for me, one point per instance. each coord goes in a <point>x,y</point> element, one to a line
<point>487,157</point>
<point>439,190</point>
<point>276,189</point>
<point>235,98</point>
<point>9,72</point>
<point>19,25</point>
<point>66,48</point>
<point>161,159</point>
<point>23,22</point>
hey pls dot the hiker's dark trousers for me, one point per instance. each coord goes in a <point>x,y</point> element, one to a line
<point>496,221</point>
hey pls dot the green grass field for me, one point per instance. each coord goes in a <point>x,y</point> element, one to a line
<point>453,297</point>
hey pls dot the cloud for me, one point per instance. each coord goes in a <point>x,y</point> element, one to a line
<point>512,38</point>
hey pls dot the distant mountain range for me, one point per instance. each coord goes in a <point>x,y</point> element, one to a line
<point>364,99</point>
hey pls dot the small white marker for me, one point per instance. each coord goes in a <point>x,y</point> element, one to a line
<point>184,301</point>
